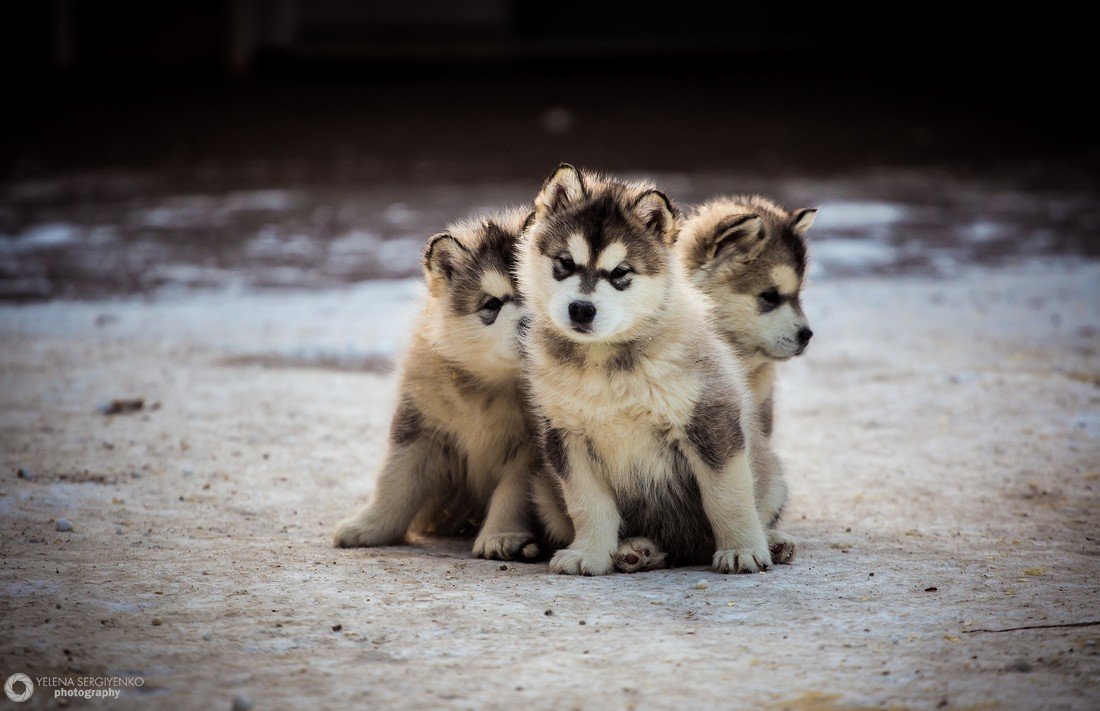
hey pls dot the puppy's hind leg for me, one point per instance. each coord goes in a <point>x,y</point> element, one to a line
<point>771,497</point>
<point>407,475</point>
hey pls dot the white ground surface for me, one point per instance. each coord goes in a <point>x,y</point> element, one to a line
<point>939,434</point>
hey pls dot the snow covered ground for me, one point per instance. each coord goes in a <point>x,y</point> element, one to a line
<point>942,437</point>
<point>109,233</point>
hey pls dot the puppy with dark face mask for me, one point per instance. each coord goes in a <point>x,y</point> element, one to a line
<point>461,448</point>
<point>645,417</point>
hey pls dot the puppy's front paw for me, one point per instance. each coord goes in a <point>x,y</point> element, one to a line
<point>782,547</point>
<point>364,533</point>
<point>742,560</point>
<point>578,561</point>
<point>638,554</point>
<point>516,545</point>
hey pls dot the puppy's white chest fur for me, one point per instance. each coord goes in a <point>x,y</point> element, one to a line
<point>628,417</point>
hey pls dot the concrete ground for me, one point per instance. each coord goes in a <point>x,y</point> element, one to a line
<point>942,438</point>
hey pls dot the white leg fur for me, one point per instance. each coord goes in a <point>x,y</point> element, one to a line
<point>738,533</point>
<point>596,518</point>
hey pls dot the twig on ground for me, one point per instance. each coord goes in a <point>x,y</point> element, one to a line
<point>1037,627</point>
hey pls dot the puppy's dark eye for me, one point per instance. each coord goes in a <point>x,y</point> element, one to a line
<point>490,309</point>
<point>563,266</point>
<point>620,271</point>
<point>771,297</point>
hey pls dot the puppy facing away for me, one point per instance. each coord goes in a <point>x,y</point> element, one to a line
<point>461,447</point>
<point>644,415</point>
<point>748,255</point>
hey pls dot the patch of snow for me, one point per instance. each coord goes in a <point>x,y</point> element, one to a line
<point>47,235</point>
<point>863,216</point>
<point>269,243</point>
<point>399,256</point>
<point>199,210</point>
<point>365,320</point>
<point>102,234</point>
<point>399,214</point>
<point>284,276</point>
<point>178,213</point>
<point>852,254</point>
<point>262,200</point>
<point>354,242</point>
<point>182,273</point>
<point>945,263</point>
<point>983,231</point>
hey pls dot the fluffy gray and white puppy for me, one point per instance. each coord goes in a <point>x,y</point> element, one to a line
<point>644,415</point>
<point>748,255</point>
<point>461,447</point>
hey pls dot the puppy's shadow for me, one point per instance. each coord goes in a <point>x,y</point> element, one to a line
<point>457,548</point>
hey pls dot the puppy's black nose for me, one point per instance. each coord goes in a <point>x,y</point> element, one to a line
<point>582,312</point>
<point>804,335</point>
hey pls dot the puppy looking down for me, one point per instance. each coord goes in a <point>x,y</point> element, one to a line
<point>461,448</point>
<point>644,416</point>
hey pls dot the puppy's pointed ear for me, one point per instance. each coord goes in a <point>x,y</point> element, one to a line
<point>527,221</point>
<point>741,237</point>
<point>658,214</point>
<point>802,220</point>
<point>562,189</point>
<point>443,255</point>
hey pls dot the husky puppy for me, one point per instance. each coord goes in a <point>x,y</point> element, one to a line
<point>461,447</point>
<point>748,255</point>
<point>644,414</point>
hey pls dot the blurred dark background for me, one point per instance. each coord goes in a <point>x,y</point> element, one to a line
<point>286,143</point>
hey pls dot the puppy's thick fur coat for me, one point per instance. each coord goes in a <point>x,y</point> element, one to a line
<point>645,418</point>
<point>748,255</point>
<point>461,447</point>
